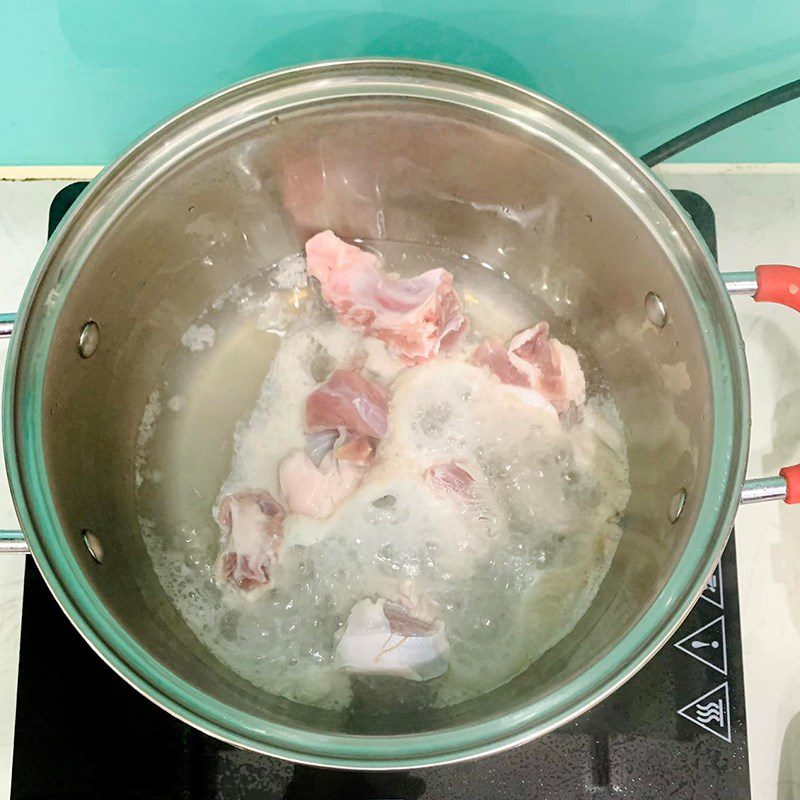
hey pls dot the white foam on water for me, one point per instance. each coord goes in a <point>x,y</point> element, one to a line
<point>509,576</point>
<point>198,337</point>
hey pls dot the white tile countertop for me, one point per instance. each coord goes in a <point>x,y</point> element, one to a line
<point>757,210</point>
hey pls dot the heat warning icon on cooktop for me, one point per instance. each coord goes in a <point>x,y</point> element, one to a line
<point>707,644</point>
<point>712,712</point>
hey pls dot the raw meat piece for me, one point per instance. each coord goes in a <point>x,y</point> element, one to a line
<point>356,450</point>
<point>344,416</point>
<point>535,361</point>
<point>552,367</point>
<point>251,524</point>
<point>385,638</point>
<point>405,595</point>
<point>416,317</point>
<point>314,491</point>
<point>336,263</point>
<point>493,354</point>
<point>450,477</point>
<point>346,400</point>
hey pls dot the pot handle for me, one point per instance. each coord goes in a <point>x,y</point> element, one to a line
<point>7,325</point>
<point>13,542</point>
<point>10,541</point>
<point>770,283</point>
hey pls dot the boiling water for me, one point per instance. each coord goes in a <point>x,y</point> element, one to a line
<point>508,580</point>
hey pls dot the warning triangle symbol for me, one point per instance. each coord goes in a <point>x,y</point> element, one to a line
<point>712,712</point>
<point>713,591</point>
<point>707,644</point>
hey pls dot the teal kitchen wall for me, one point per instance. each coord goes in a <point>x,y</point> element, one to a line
<point>80,79</point>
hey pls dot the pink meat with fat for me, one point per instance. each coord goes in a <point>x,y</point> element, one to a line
<point>357,450</point>
<point>534,360</point>
<point>347,400</point>
<point>552,367</point>
<point>493,354</point>
<point>416,317</point>
<point>314,491</point>
<point>251,524</point>
<point>344,417</point>
<point>452,477</point>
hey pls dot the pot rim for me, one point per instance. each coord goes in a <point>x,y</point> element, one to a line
<point>22,411</point>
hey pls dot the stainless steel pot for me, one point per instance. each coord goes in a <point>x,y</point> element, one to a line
<point>408,152</point>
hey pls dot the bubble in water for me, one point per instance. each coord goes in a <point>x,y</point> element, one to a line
<point>387,501</point>
<point>321,367</point>
<point>433,419</point>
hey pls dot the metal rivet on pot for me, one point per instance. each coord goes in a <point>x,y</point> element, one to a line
<point>676,505</point>
<point>93,545</point>
<point>655,310</point>
<point>89,339</point>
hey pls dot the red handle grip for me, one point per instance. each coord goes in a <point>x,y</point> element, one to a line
<point>780,283</point>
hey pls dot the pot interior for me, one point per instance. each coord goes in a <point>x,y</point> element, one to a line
<point>231,189</point>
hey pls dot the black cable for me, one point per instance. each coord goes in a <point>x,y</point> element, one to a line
<point>764,102</point>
